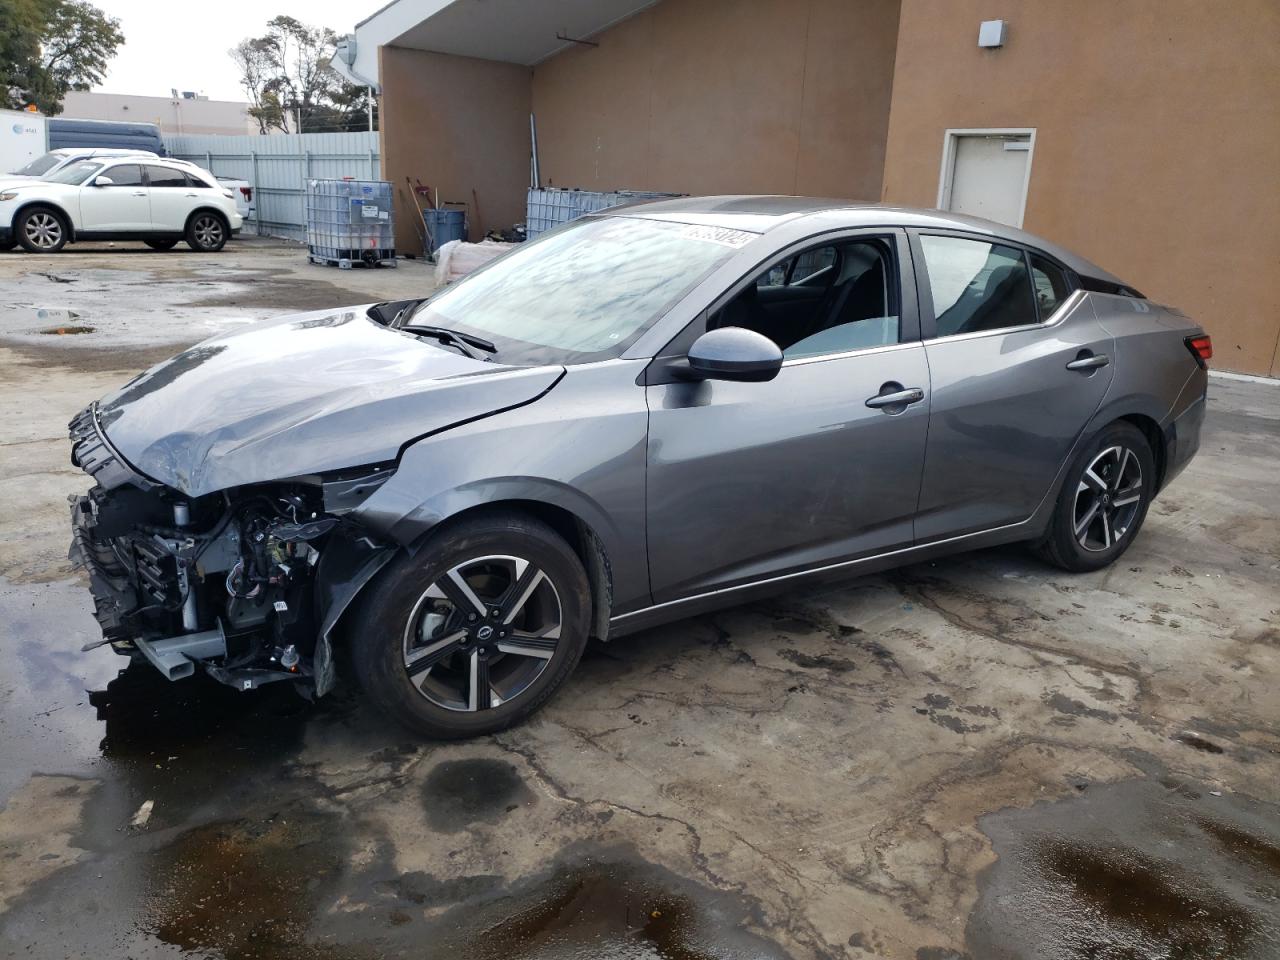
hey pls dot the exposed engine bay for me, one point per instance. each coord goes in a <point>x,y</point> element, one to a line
<point>245,583</point>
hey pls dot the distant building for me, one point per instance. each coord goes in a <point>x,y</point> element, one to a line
<point>185,113</point>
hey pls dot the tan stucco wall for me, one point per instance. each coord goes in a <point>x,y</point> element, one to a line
<point>724,96</point>
<point>456,124</point>
<point>1157,141</point>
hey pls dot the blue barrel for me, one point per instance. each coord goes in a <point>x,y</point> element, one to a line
<point>443,226</point>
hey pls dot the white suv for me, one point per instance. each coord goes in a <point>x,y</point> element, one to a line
<point>143,198</point>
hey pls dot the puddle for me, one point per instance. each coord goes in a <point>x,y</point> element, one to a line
<point>613,908</point>
<point>615,915</point>
<point>247,889</point>
<point>1149,902</point>
<point>1196,742</point>
<point>1131,871</point>
<point>64,331</point>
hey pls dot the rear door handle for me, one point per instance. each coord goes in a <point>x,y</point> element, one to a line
<point>896,398</point>
<point>1091,362</point>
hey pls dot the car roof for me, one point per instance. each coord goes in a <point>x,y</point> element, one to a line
<point>92,152</point>
<point>760,214</point>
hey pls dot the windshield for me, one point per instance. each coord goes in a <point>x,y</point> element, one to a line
<point>39,166</point>
<point>77,172</point>
<point>583,292</point>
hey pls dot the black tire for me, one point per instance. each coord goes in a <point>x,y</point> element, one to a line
<point>409,614</point>
<point>41,230</point>
<point>1096,518</point>
<point>161,244</point>
<point>207,232</point>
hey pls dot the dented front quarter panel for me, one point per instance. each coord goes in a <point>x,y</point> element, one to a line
<point>298,395</point>
<point>581,448</point>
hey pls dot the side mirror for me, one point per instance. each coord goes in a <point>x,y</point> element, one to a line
<point>734,353</point>
<point>102,181</point>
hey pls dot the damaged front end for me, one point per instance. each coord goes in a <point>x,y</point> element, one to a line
<point>246,583</point>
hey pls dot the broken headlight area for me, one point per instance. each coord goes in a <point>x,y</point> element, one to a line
<point>246,583</point>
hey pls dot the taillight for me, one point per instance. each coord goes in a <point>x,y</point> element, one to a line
<point>1201,348</point>
<point>246,192</point>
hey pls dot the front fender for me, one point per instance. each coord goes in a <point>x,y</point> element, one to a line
<point>580,448</point>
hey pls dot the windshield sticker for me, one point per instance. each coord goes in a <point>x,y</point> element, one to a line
<point>721,235</point>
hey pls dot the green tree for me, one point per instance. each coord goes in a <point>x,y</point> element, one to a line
<point>52,46</point>
<point>21,22</point>
<point>290,83</point>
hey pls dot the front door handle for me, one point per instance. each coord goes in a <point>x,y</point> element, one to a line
<point>1090,362</point>
<point>140,193</point>
<point>896,396</point>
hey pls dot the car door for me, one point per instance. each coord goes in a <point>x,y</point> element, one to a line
<point>121,206</point>
<point>173,196</point>
<point>752,480</point>
<point>1018,363</point>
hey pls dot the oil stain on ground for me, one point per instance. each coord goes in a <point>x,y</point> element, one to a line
<point>459,793</point>
<point>1131,871</point>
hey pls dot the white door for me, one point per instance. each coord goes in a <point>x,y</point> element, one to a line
<point>988,176</point>
<point>123,206</point>
<point>173,197</point>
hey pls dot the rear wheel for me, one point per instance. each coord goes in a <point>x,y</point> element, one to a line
<point>475,632</point>
<point>207,232</point>
<point>161,244</point>
<point>1104,501</point>
<point>41,230</point>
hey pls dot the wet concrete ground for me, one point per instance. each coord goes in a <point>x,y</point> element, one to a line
<point>979,757</point>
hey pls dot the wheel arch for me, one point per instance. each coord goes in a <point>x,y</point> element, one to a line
<point>577,532</point>
<point>1155,438</point>
<point>207,208</point>
<point>57,208</point>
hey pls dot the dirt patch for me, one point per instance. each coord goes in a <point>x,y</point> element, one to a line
<point>818,662</point>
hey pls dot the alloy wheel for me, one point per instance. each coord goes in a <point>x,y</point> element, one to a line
<point>482,633</point>
<point>44,230</point>
<point>1108,499</point>
<point>208,230</point>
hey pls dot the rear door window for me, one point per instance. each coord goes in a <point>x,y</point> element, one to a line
<point>166,177</point>
<point>977,286</point>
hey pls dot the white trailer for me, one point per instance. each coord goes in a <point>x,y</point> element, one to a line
<point>23,137</point>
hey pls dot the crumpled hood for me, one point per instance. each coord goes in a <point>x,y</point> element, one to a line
<point>298,395</point>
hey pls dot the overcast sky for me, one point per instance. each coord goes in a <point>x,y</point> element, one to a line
<point>185,46</point>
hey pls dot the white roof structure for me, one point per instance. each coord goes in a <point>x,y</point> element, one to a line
<point>513,31</point>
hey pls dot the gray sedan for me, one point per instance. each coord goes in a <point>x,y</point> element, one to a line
<point>650,412</point>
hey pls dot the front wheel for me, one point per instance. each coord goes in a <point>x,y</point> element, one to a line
<point>476,631</point>
<point>206,232</point>
<point>1103,502</point>
<point>41,230</point>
